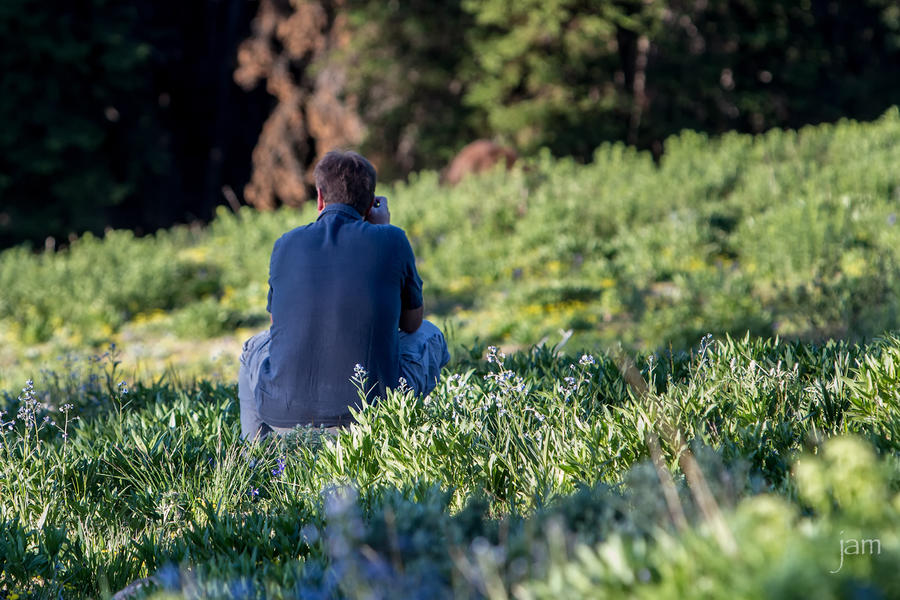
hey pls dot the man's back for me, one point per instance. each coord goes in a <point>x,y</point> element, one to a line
<point>337,288</point>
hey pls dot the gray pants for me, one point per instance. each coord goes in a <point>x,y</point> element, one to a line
<point>422,354</point>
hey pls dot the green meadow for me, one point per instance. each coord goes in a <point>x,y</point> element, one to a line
<point>668,380</point>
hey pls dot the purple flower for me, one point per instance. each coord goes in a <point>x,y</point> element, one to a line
<point>254,492</point>
<point>279,469</point>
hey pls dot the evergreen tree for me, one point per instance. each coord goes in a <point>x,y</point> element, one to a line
<point>752,65</point>
<point>562,74</point>
<point>406,64</point>
<point>74,110</point>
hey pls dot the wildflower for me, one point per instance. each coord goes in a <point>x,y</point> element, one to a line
<point>571,386</point>
<point>359,370</point>
<point>279,468</point>
<point>492,354</point>
<point>586,359</point>
<point>29,405</point>
<point>705,342</point>
<point>402,386</point>
<point>254,492</point>
<point>123,388</point>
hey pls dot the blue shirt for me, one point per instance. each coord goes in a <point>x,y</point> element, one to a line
<point>336,289</point>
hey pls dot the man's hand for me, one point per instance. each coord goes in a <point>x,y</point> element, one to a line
<point>379,213</point>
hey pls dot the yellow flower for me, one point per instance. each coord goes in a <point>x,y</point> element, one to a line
<point>695,264</point>
<point>554,266</point>
<point>196,254</point>
<point>533,309</point>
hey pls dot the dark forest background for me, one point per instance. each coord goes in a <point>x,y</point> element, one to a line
<point>144,113</point>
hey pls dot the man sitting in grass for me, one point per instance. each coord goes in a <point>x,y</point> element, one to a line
<point>344,296</point>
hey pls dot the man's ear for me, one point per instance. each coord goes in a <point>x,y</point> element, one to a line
<point>320,202</point>
<point>368,210</point>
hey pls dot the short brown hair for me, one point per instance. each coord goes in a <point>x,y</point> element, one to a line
<point>346,177</point>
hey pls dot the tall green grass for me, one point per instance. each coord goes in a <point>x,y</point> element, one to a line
<point>524,474</point>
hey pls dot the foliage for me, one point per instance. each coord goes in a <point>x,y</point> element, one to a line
<point>553,74</point>
<point>97,285</point>
<point>120,114</point>
<point>521,474</point>
<point>84,58</point>
<point>568,75</point>
<point>287,51</point>
<point>405,69</point>
<point>127,114</point>
<point>789,233</point>
<point>752,65</point>
<point>783,553</point>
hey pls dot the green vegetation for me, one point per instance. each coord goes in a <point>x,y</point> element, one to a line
<point>128,113</point>
<point>791,234</point>
<point>425,79</point>
<point>74,87</point>
<point>522,474</point>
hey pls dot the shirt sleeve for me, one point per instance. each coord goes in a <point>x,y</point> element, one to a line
<point>411,290</point>
<point>271,269</point>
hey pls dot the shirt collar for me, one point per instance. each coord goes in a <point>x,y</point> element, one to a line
<point>338,208</point>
